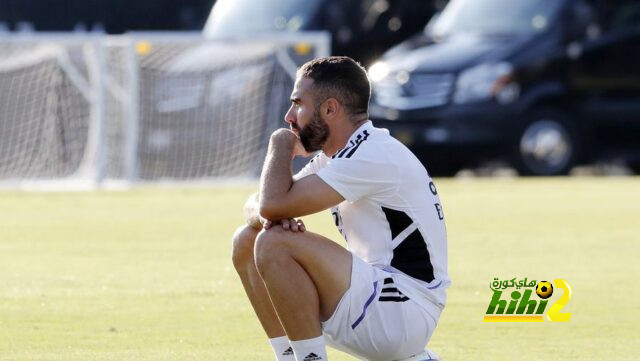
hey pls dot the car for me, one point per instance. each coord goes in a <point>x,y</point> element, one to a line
<point>361,29</point>
<point>542,84</point>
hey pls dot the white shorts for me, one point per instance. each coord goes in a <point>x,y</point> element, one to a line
<point>374,321</point>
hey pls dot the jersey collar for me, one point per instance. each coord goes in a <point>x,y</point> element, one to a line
<point>366,126</point>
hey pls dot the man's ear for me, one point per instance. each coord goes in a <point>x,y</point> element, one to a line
<point>330,108</point>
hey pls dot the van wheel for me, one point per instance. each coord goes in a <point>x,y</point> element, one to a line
<point>547,144</point>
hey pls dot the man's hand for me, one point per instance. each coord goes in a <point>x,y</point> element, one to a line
<point>299,150</point>
<point>251,214</point>
<point>292,224</point>
<point>254,220</point>
<point>280,197</point>
<point>287,139</point>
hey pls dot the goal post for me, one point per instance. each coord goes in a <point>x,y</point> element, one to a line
<point>50,111</point>
<point>89,111</point>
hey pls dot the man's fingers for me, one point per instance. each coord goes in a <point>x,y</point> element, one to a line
<point>294,225</point>
<point>299,150</point>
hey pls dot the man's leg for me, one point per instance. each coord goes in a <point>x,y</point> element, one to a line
<point>243,261</point>
<point>306,275</point>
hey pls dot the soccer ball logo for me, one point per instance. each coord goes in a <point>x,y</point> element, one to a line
<point>544,289</point>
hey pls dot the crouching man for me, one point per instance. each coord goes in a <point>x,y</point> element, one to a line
<point>379,299</point>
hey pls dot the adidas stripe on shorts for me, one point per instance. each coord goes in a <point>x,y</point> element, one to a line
<point>374,320</point>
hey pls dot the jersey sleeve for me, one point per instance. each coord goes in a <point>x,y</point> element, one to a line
<point>368,174</point>
<point>312,167</point>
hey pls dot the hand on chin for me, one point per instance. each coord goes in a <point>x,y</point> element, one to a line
<point>299,150</point>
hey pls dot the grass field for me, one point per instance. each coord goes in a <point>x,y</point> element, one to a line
<point>146,275</point>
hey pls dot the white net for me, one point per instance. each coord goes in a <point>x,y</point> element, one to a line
<point>206,117</point>
<point>44,118</point>
<point>162,108</point>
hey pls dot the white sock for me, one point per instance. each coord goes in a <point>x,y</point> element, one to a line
<point>282,349</point>
<point>312,349</point>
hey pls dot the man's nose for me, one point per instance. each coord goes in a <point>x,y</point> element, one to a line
<point>289,118</point>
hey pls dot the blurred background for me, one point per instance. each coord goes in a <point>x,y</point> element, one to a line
<point>531,108</point>
<point>188,90</point>
<point>106,16</point>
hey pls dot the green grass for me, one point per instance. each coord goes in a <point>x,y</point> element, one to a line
<point>146,275</point>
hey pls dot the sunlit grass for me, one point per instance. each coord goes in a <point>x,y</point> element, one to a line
<point>146,275</point>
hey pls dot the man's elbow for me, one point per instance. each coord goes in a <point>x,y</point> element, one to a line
<point>271,210</point>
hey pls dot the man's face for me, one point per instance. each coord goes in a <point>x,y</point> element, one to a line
<point>304,117</point>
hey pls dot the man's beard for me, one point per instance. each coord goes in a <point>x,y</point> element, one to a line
<point>315,133</point>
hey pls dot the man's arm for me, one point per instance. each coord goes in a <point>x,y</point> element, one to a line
<point>253,219</point>
<point>280,196</point>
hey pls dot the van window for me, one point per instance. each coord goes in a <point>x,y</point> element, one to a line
<point>496,17</point>
<point>240,17</point>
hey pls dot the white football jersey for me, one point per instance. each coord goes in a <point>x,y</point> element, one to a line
<point>391,217</point>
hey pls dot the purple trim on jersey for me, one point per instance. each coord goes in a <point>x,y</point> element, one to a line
<point>364,308</point>
<point>436,286</point>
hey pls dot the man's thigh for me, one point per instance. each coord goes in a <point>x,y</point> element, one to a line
<point>327,263</point>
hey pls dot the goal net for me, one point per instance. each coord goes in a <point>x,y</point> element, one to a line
<point>43,116</point>
<point>98,110</point>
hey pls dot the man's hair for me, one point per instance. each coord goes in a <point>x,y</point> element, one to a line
<point>339,77</point>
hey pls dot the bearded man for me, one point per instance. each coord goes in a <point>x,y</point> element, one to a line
<point>382,296</point>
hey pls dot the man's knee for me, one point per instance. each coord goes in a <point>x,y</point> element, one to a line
<point>270,247</point>
<point>242,245</point>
